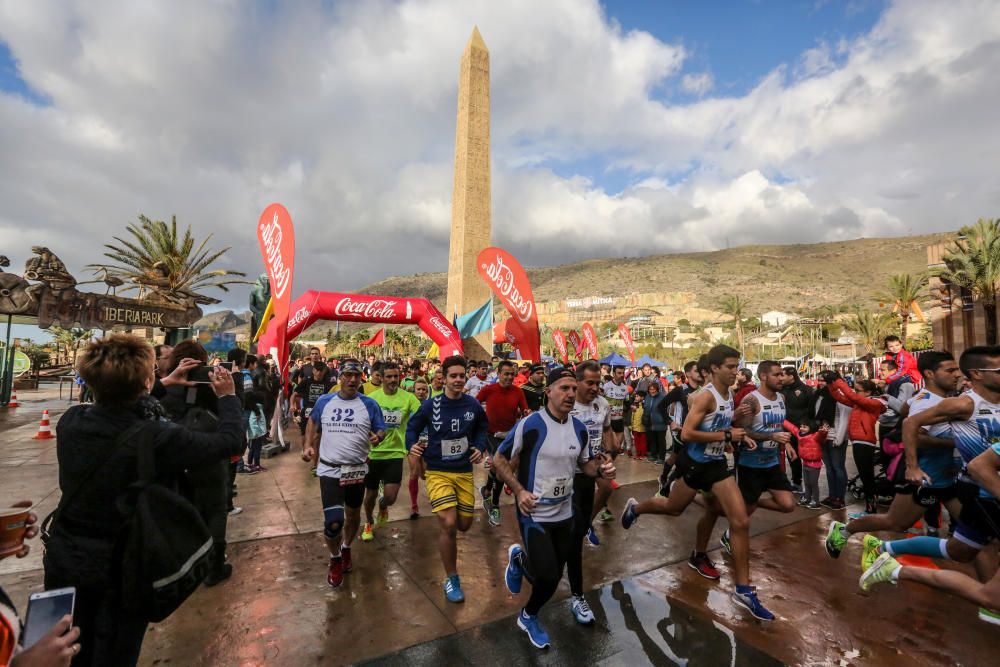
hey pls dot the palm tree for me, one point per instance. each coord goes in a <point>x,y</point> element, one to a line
<point>176,267</point>
<point>70,340</point>
<point>735,306</point>
<point>905,293</point>
<point>972,262</point>
<point>871,328</point>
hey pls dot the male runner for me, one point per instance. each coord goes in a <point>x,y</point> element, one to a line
<point>975,427</point>
<point>422,391</point>
<point>385,462</point>
<point>550,447</point>
<point>534,388</point>
<point>504,405</point>
<point>456,439</point>
<point>342,428</point>
<point>708,432</point>
<point>374,380</point>
<point>933,455</point>
<point>477,381</point>
<point>616,393</point>
<point>437,383</point>
<point>412,373</point>
<point>306,394</point>
<point>595,413</point>
<point>677,406</point>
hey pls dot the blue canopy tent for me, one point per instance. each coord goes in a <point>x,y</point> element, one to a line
<point>615,359</point>
<point>644,359</point>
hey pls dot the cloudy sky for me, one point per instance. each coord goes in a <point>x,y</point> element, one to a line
<point>618,129</point>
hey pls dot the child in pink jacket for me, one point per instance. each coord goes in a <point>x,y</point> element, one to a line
<point>811,453</point>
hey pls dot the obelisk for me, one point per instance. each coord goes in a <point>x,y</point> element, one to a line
<point>471,202</point>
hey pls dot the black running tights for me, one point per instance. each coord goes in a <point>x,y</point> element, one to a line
<point>547,547</point>
<point>583,510</point>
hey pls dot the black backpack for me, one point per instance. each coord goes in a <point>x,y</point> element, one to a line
<point>164,550</point>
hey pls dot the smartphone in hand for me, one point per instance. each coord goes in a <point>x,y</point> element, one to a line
<point>44,611</point>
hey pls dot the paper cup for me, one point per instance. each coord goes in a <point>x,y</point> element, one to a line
<point>13,524</point>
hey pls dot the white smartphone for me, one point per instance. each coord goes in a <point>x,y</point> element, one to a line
<point>44,611</point>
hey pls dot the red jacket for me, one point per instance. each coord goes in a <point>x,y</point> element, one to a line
<point>907,365</point>
<point>864,413</point>
<point>810,445</point>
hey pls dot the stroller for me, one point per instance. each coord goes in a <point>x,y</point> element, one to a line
<point>885,487</point>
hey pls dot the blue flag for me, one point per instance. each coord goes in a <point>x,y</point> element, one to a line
<point>476,322</point>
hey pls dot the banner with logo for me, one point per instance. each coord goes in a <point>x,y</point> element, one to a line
<point>559,338</point>
<point>590,340</point>
<point>577,342</point>
<point>277,244</point>
<point>629,343</point>
<point>509,282</point>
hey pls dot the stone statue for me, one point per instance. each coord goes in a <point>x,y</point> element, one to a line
<point>260,294</point>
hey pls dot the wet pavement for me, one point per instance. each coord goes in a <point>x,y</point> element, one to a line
<point>651,608</point>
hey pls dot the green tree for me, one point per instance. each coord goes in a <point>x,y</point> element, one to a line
<point>904,293</point>
<point>972,262</point>
<point>735,307</point>
<point>156,256</point>
<point>70,340</point>
<point>870,328</point>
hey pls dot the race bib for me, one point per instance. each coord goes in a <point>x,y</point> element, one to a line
<point>617,411</point>
<point>555,490</point>
<point>353,474</point>
<point>769,445</point>
<point>393,418</point>
<point>715,448</point>
<point>452,450</point>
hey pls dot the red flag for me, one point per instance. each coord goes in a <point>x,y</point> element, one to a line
<point>277,244</point>
<point>629,343</point>
<point>577,342</point>
<point>377,339</point>
<point>590,339</point>
<point>508,280</point>
<point>559,338</point>
<point>500,333</point>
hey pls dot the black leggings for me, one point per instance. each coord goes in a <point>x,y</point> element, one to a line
<point>547,548</point>
<point>583,509</point>
<point>796,465</point>
<point>864,460</point>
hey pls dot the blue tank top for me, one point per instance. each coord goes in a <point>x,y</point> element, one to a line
<point>717,420</point>
<point>770,419</point>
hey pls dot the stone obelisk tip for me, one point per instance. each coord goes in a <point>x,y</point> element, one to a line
<point>476,40</point>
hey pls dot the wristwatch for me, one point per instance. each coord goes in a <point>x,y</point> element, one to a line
<point>729,435</point>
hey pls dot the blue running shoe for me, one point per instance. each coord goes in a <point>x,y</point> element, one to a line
<point>726,544</point>
<point>592,538</point>
<point>513,574</point>
<point>628,515</point>
<point>746,596</point>
<point>453,589</point>
<point>536,635</point>
<point>856,515</point>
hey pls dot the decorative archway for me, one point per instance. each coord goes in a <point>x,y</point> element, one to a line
<point>313,305</point>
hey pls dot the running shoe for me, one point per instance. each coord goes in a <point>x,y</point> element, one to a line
<point>835,540</point>
<point>383,515</point>
<point>494,516</point>
<point>235,511</point>
<point>581,610</point>
<point>726,544</point>
<point>814,506</point>
<point>701,564</point>
<point>335,575</point>
<point>414,515</point>
<point>513,574</point>
<point>628,514</point>
<point>484,492</point>
<point>880,572</point>
<point>856,515</point>
<point>838,503</point>
<point>870,548</point>
<point>803,501</point>
<point>825,502</point>
<point>260,468</point>
<point>606,516</point>
<point>989,616</point>
<point>748,599</point>
<point>536,634</point>
<point>345,555</point>
<point>592,538</point>
<point>453,589</point>
<point>367,534</point>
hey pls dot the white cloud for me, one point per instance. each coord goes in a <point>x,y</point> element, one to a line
<point>345,114</point>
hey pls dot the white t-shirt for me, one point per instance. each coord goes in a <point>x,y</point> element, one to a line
<point>596,416</point>
<point>345,426</point>
<point>473,385</point>
<point>616,394</point>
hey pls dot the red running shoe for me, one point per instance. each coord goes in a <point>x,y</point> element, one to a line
<point>335,577</point>
<point>345,555</point>
<point>701,564</point>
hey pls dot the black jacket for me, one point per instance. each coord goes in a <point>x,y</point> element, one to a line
<point>797,399</point>
<point>822,408</point>
<point>83,537</point>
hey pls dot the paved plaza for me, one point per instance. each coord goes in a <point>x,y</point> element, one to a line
<point>650,607</point>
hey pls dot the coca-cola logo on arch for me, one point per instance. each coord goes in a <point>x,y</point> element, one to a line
<point>503,277</point>
<point>440,326</point>
<point>379,309</point>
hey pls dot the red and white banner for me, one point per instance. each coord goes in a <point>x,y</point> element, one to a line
<point>509,282</point>
<point>577,342</point>
<point>277,244</point>
<point>590,340</point>
<point>313,306</point>
<point>500,333</point>
<point>559,338</point>
<point>629,343</point>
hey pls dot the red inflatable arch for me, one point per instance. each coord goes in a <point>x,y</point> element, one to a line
<point>333,306</point>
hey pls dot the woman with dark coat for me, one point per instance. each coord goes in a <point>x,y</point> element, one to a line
<point>797,398</point>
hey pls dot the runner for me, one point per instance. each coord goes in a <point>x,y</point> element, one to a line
<point>595,413</point>
<point>504,405</point>
<point>708,432</point>
<point>616,393</point>
<point>437,383</point>
<point>479,380</point>
<point>534,388</point>
<point>306,394</point>
<point>932,455</point>
<point>342,429</point>
<point>677,400</point>
<point>374,380</point>
<point>552,447</point>
<point>416,466</point>
<point>385,463</point>
<point>456,439</point>
<point>975,427</point>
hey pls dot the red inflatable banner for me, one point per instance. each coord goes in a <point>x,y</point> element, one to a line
<point>577,342</point>
<point>509,282</point>
<point>629,343</point>
<point>559,338</point>
<point>313,306</point>
<point>277,244</point>
<point>590,340</point>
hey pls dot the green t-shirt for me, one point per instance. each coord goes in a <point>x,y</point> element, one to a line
<point>436,392</point>
<point>396,410</point>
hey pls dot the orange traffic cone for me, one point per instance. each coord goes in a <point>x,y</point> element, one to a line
<point>44,430</point>
<point>13,399</point>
